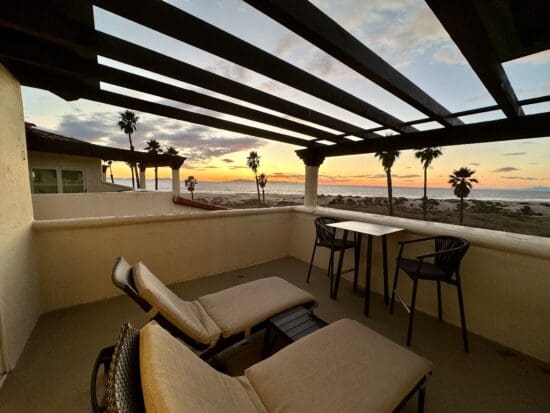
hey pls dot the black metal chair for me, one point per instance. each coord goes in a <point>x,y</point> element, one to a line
<point>447,257</point>
<point>326,238</point>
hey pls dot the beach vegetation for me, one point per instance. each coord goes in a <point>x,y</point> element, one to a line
<point>128,124</point>
<point>388,158</point>
<point>461,181</point>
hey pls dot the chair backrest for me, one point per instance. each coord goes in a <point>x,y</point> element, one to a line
<point>124,394</point>
<point>123,278</point>
<point>450,261</point>
<point>325,234</point>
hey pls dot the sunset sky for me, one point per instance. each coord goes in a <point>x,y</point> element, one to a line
<point>403,32</point>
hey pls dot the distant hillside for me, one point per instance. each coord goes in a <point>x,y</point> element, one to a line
<point>539,188</point>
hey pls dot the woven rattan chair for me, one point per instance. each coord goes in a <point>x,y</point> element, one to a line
<point>445,268</point>
<point>325,237</point>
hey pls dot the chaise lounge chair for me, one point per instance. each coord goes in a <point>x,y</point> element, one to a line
<point>342,367</point>
<point>214,321</point>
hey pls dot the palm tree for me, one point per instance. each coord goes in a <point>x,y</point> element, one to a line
<point>426,156</point>
<point>388,159</point>
<point>262,181</point>
<point>127,123</point>
<point>109,165</point>
<point>253,162</point>
<point>170,150</point>
<point>154,147</point>
<point>190,183</point>
<point>462,181</point>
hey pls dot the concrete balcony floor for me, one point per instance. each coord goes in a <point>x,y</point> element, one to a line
<point>53,374</point>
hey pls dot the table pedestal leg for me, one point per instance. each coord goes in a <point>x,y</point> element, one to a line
<point>385,265</point>
<point>358,237</point>
<point>367,278</point>
<point>334,290</point>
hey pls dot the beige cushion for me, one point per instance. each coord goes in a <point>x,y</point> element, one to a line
<point>344,367</point>
<point>174,380</point>
<point>241,307</point>
<point>188,317</point>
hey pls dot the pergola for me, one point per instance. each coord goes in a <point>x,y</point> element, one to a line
<point>54,45</point>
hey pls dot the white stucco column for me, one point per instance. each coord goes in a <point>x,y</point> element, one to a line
<point>176,185</point>
<point>142,177</point>
<point>312,183</point>
<point>312,161</point>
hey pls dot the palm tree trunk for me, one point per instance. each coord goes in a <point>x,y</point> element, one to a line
<point>263,195</point>
<point>134,166</point>
<point>133,181</point>
<point>390,195</point>
<point>258,188</point>
<point>192,195</point>
<point>156,178</point>
<point>111,172</point>
<point>461,210</point>
<point>425,198</point>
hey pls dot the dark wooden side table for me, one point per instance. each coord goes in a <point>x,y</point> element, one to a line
<point>291,325</point>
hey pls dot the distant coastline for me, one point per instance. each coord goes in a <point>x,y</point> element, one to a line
<point>535,194</point>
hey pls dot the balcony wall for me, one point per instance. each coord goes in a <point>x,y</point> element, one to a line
<point>105,204</point>
<point>76,255</point>
<point>505,277</point>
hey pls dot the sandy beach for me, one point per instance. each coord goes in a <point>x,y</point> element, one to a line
<point>525,217</point>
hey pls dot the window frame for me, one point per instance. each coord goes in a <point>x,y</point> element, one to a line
<point>59,178</point>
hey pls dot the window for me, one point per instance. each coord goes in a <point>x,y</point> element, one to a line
<point>44,181</point>
<point>53,181</point>
<point>72,181</point>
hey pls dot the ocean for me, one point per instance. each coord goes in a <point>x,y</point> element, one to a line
<point>240,186</point>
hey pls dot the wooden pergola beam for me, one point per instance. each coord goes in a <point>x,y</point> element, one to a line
<point>524,127</point>
<point>306,20</point>
<point>464,25</point>
<point>169,20</point>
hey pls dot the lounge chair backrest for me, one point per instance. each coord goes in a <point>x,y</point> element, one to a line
<point>123,278</point>
<point>124,394</point>
<point>456,247</point>
<point>190,318</point>
<point>325,235</point>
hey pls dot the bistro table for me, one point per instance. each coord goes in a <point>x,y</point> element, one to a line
<point>371,230</point>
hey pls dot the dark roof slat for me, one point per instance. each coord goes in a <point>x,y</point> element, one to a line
<point>464,25</point>
<point>176,23</point>
<point>306,20</point>
<point>523,127</point>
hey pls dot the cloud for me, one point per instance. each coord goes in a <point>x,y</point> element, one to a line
<point>514,153</point>
<point>506,169</point>
<point>238,167</point>
<point>521,178</point>
<point>231,71</point>
<point>227,160</point>
<point>449,54</point>
<point>474,163</point>
<point>533,163</point>
<point>405,176</point>
<point>285,175</point>
<point>536,58</point>
<point>196,142</point>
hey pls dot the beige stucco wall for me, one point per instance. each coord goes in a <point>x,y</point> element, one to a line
<point>505,277</point>
<point>76,256</point>
<point>105,204</point>
<point>90,166</point>
<point>19,306</point>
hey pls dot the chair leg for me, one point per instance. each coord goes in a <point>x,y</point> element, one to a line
<point>421,398</point>
<point>439,311</point>
<point>311,262</point>
<point>462,315</point>
<point>394,288</point>
<point>330,272</point>
<point>411,315</point>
